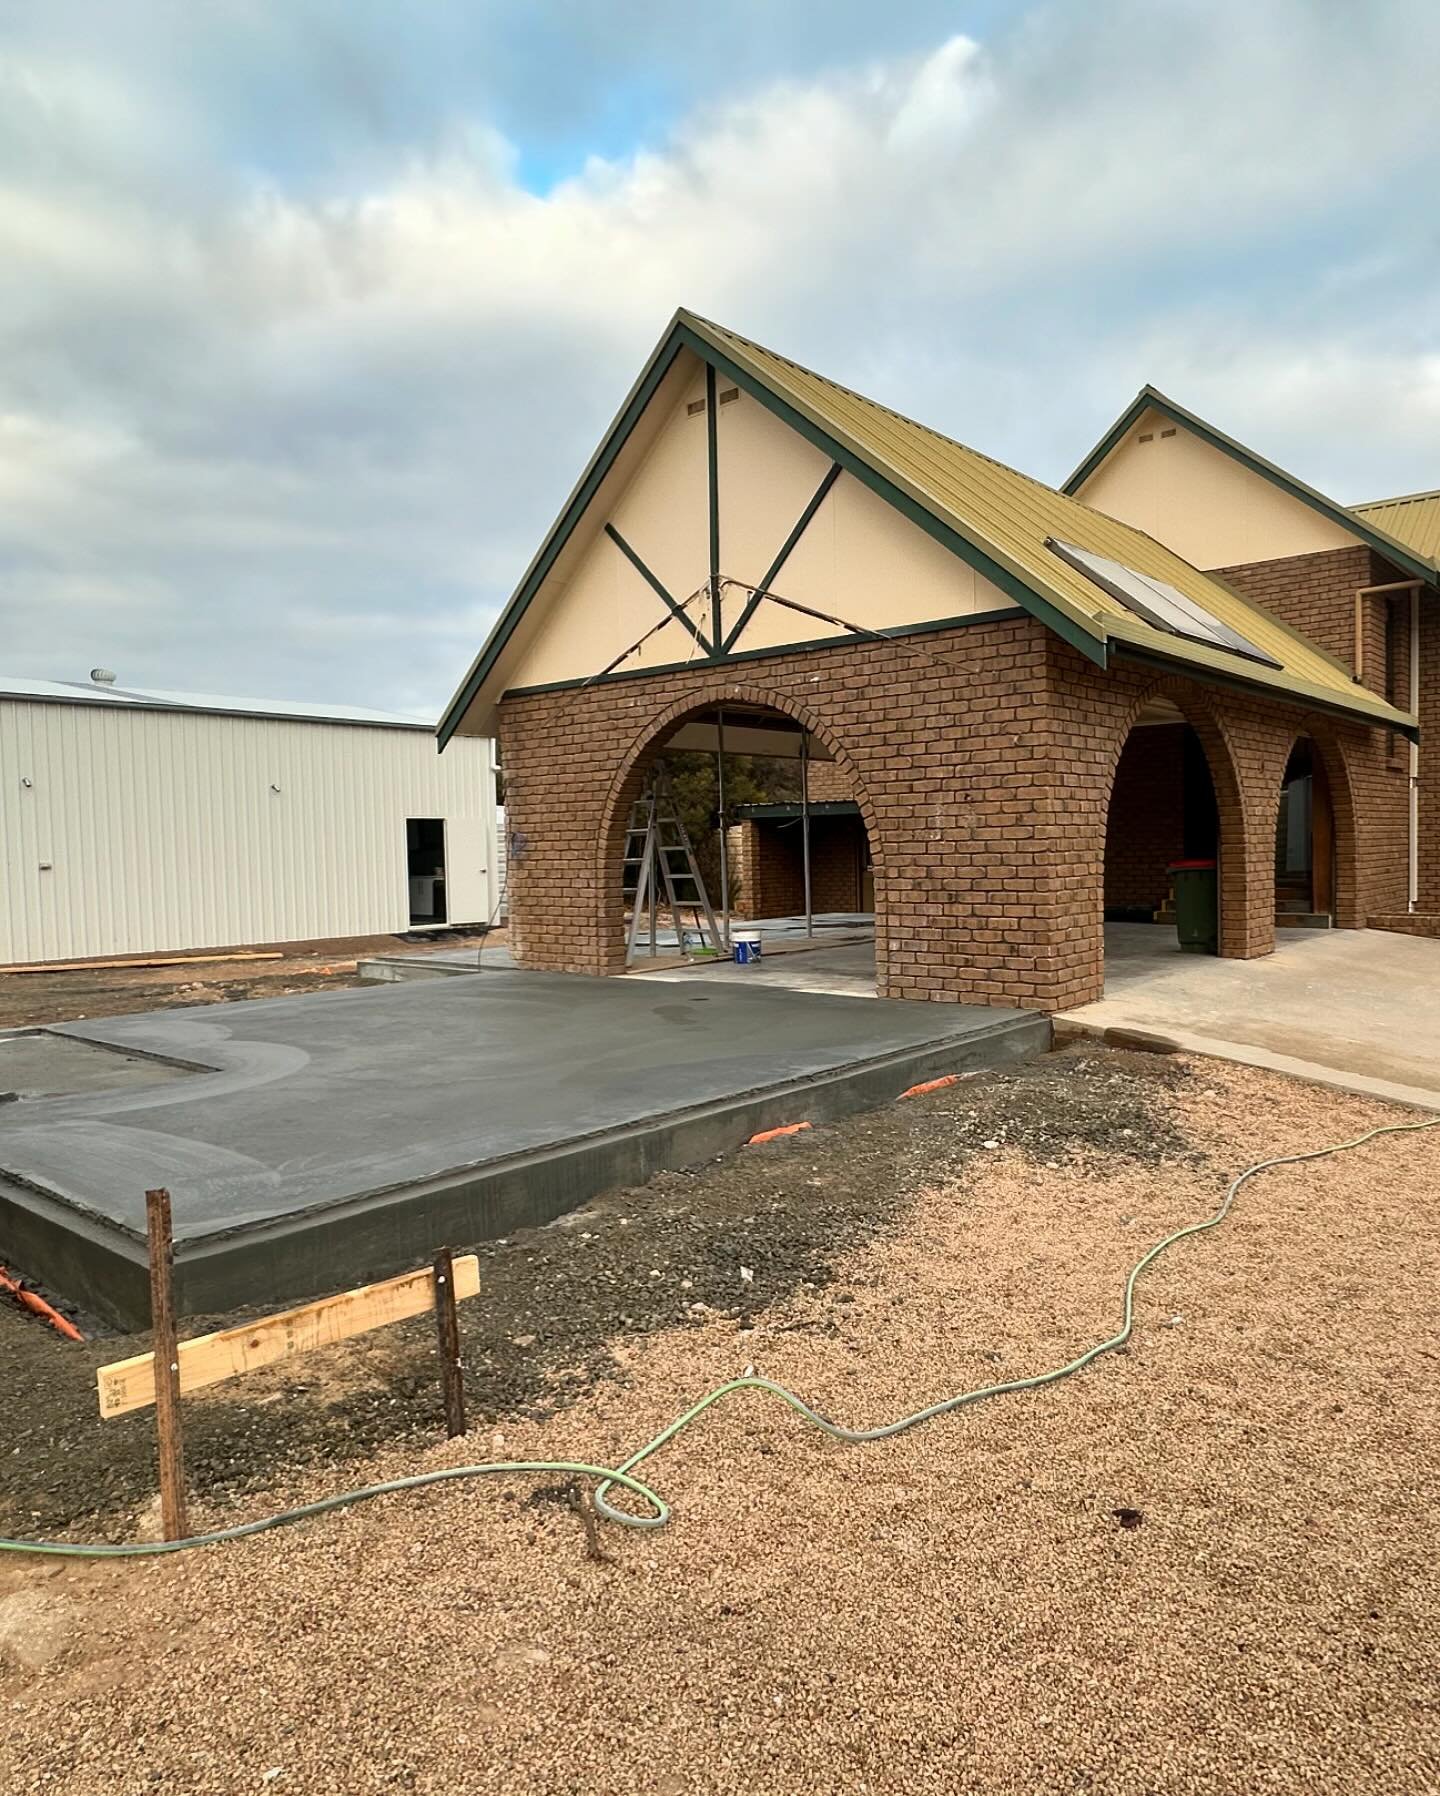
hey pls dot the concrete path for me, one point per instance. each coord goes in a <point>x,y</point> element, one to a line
<point>1354,1008</point>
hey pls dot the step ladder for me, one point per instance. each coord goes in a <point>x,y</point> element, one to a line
<point>658,856</point>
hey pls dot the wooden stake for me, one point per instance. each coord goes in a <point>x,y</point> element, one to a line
<point>447,1335</point>
<point>167,1364</point>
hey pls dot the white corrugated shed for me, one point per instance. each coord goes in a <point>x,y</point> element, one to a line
<point>144,822</point>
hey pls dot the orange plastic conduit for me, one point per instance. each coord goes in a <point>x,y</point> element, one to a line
<point>37,1304</point>
<point>775,1134</point>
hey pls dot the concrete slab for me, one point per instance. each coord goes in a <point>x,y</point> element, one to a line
<point>1355,1008</point>
<point>844,972</point>
<point>434,963</point>
<point>37,1063</point>
<point>345,1135</point>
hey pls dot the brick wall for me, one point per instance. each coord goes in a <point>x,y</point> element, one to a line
<point>1145,829</point>
<point>982,764</point>
<point>829,782</point>
<point>1316,595</point>
<point>769,858</point>
<point>1419,922</point>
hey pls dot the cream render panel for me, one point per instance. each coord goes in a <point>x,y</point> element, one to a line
<point>664,511</point>
<point>604,609</point>
<point>1201,502</point>
<point>858,558</point>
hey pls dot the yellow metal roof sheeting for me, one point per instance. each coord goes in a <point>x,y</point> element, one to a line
<point>1008,515</point>
<point>1413,519</point>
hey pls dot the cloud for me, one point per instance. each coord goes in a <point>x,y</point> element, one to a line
<point>297,363</point>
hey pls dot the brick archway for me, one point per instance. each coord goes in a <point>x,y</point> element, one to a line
<point>641,755</point>
<point>1330,750</point>
<point>1246,887</point>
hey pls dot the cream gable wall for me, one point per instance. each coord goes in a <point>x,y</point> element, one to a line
<point>1201,502</point>
<point>858,559</point>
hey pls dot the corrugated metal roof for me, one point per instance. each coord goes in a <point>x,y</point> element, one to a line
<point>1413,519</point>
<point>1008,516</point>
<point>90,692</point>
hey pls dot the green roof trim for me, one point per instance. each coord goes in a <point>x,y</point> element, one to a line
<point>1152,399</point>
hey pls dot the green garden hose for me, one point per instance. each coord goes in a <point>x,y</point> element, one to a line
<point>623,1475</point>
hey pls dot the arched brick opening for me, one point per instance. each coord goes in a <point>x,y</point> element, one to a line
<point>1245,920</point>
<point>1328,751</point>
<point>640,758</point>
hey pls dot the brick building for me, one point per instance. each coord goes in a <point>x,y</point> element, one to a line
<point>1360,582</point>
<point>1028,706</point>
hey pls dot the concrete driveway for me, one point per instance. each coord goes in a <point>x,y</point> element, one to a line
<point>1357,1008</point>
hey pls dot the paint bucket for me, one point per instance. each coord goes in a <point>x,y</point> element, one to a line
<point>747,947</point>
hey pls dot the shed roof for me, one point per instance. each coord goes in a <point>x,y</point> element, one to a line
<point>91,692</point>
<point>995,518</point>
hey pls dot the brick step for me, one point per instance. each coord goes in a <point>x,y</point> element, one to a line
<point>1304,919</point>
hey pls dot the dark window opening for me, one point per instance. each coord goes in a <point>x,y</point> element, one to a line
<point>1294,861</point>
<point>425,865</point>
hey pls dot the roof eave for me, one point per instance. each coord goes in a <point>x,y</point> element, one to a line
<point>1371,711</point>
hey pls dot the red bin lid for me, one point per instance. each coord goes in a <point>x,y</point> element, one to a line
<point>1186,866</point>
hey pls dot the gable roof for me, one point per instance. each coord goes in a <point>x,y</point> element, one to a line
<point>1413,519</point>
<point>1374,532</point>
<point>992,517</point>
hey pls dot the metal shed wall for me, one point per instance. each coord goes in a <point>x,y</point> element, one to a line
<point>130,831</point>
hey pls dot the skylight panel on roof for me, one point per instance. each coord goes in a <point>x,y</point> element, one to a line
<point>1158,603</point>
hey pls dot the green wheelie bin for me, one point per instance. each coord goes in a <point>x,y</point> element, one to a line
<point>1197,906</point>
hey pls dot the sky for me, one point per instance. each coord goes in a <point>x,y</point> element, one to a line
<point>313,310</point>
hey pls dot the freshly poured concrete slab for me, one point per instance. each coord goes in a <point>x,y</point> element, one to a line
<point>345,1135</point>
<point>38,1063</point>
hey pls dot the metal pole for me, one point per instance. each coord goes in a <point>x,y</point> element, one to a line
<point>1413,809</point>
<point>724,849</point>
<point>805,827</point>
<point>652,849</point>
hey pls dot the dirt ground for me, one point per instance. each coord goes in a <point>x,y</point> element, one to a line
<point>94,989</point>
<point>1204,1564</point>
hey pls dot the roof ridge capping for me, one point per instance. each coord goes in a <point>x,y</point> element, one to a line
<point>1346,516</point>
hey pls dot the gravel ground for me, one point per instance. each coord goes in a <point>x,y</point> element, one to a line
<point>1204,1565</point>
<point>560,1303</point>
